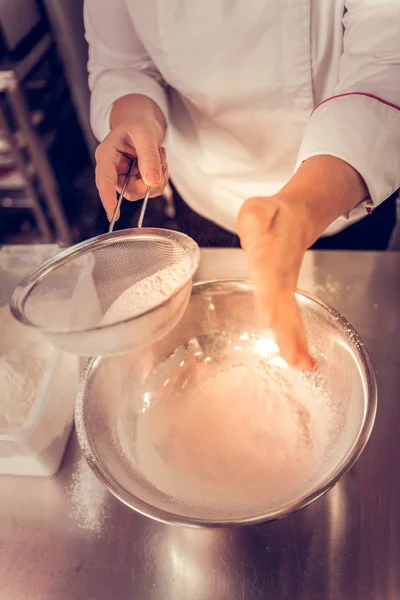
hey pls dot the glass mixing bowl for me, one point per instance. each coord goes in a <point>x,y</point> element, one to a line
<point>209,427</point>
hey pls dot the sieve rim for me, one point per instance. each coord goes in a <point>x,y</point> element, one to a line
<point>147,509</point>
<point>26,286</point>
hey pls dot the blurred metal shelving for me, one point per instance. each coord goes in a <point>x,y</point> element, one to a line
<point>34,101</point>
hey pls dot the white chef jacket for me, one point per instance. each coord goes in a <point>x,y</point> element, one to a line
<point>251,88</point>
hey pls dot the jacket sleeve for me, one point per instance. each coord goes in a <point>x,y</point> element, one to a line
<point>118,62</point>
<point>361,123</point>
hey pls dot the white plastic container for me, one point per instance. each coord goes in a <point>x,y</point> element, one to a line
<point>37,446</point>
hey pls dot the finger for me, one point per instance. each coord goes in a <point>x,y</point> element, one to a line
<point>106,180</point>
<point>137,189</point>
<point>131,191</point>
<point>165,178</point>
<point>274,266</point>
<point>278,310</point>
<point>149,158</point>
<point>289,332</point>
<point>164,166</point>
<point>277,307</point>
<point>109,163</point>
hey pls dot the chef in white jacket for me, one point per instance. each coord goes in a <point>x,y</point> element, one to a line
<point>281,121</point>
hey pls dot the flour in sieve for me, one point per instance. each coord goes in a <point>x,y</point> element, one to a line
<point>149,292</point>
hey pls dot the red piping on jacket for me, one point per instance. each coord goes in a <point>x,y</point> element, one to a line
<point>381,100</point>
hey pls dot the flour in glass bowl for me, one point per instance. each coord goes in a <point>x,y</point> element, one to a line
<point>149,292</point>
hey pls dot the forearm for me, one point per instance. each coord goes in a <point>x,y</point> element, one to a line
<point>323,189</point>
<point>136,108</point>
<point>275,232</point>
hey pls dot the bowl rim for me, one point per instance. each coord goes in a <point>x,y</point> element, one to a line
<point>169,517</point>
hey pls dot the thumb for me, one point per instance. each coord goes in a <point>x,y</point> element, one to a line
<point>149,158</point>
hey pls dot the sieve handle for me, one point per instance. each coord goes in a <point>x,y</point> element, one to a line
<point>144,206</point>
<point>121,196</point>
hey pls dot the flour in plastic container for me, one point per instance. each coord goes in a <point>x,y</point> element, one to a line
<point>24,356</point>
<point>33,377</point>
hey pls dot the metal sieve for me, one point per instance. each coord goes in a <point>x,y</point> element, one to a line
<point>69,296</point>
<point>113,293</point>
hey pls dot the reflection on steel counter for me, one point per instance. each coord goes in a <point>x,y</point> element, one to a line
<point>346,546</point>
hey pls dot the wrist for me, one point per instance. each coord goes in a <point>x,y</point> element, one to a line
<point>137,110</point>
<point>273,218</point>
<point>306,227</point>
<point>323,189</point>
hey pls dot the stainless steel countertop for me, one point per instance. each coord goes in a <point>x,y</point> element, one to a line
<point>67,538</point>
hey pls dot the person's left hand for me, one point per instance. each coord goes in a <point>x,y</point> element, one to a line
<point>275,244</point>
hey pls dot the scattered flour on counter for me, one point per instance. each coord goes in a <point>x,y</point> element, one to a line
<point>24,356</point>
<point>88,499</point>
<point>148,292</point>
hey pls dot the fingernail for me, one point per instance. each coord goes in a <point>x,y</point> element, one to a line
<point>164,169</point>
<point>110,216</point>
<point>153,178</point>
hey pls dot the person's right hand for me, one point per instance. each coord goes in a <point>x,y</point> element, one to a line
<point>143,141</point>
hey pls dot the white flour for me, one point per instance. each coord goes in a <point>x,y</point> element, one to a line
<point>28,370</point>
<point>148,292</point>
<point>233,438</point>
<point>87,499</point>
<point>24,356</point>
